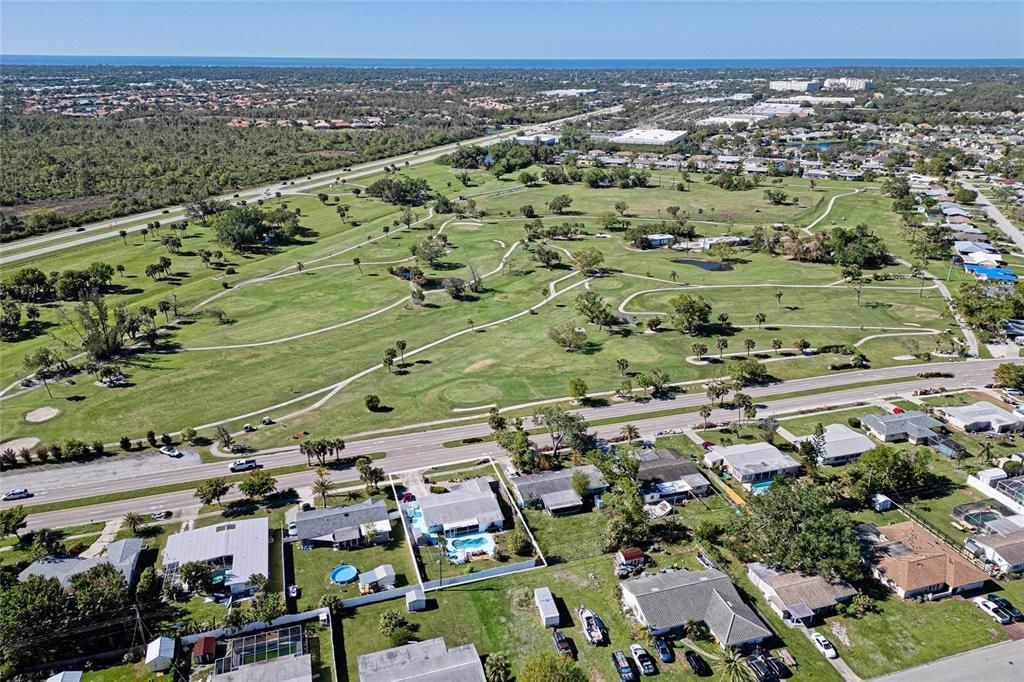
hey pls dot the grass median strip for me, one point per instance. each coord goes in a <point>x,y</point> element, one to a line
<point>161,489</point>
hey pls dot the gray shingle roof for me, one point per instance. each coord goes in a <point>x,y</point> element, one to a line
<point>664,465</point>
<point>536,486</point>
<point>123,555</point>
<point>912,423</point>
<point>671,599</point>
<point>322,523</point>
<point>470,502</point>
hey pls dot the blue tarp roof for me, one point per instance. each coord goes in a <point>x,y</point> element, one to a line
<point>998,274</point>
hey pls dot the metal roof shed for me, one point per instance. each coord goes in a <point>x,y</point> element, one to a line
<point>546,606</point>
<point>160,654</point>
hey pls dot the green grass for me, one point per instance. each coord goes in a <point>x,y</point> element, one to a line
<point>508,364</point>
<point>312,568</point>
<point>20,557</point>
<point>567,538</point>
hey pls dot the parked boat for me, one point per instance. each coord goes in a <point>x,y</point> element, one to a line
<point>592,626</point>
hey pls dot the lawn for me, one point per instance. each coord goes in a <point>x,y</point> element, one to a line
<point>312,568</point>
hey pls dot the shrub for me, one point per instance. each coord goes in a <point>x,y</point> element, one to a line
<point>229,271</point>
<point>390,621</point>
<point>438,489</point>
<point>853,422</point>
<point>401,636</point>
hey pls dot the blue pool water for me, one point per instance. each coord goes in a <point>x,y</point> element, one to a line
<point>760,487</point>
<point>344,573</point>
<point>470,543</point>
<point>944,450</point>
<point>458,547</point>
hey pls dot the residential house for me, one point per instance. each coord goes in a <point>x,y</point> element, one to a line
<point>345,527</point>
<point>752,463</point>
<point>798,598</point>
<point>553,490</point>
<point>468,507</point>
<point>665,602</point>
<point>982,416</point>
<point>1006,552</point>
<point>664,475</point>
<point>912,425</point>
<point>236,549</point>
<point>122,555</point>
<point>66,676</point>
<point>912,562</point>
<point>842,445</point>
<point>428,661</point>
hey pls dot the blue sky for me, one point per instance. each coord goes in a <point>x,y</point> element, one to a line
<point>719,29</point>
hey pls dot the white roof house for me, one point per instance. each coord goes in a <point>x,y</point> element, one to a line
<point>238,547</point>
<point>428,661</point>
<point>468,506</point>
<point>750,463</point>
<point>66,676</point>
<point>160,654</point>
<point>982,416</point>
<point>842,444</point>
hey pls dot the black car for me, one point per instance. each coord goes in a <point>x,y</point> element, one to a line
<point>697,664</point>
<point>1010,609</point>
<point>775,665</point>
<point>623,667</point>
<point>760,670</point>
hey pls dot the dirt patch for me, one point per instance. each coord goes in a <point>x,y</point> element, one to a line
<point>41,414</point>
<point>479,365</point>
<point>67,207</point>
<point>19,443</point>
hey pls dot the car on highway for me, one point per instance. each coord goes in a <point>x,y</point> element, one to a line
<point>623,667</point>
<point>1010,609</point>
<point>161,515</point>
<point>165,211</point>
<point>993,611</point>
<point>823,645</point>
<point>243,465</point>
<point>642,659</point>
<point>170,451</point>
<point>697,664</point>
<point>17,494</point>
<point>664,650</point>
<point>80,229</point>
<point>562,646</point>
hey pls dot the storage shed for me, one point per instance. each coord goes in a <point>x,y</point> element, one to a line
<point>546,607</point>
<point>204,651</point>
<point>881,503</point>
<point>160,654</point>
<point>415,599</point>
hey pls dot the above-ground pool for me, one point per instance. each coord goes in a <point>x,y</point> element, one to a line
<point>344,573</point>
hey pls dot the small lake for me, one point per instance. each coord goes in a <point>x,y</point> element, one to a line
<point>708,265</point>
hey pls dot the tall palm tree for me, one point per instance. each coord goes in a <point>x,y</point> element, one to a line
<point>760,319</point>
<point>721,344</point>
<point>322,486</point>
<point>778,297</point>
<point>133,522</point>
<point>358,263</point>
<point>704,411</point>
<point>630,432</point>
<point>749,344</point>
<point>776,345</point>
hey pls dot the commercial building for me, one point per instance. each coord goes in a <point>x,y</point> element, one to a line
<point>665,602</point>
<point>648,137</point>
<point>428,661</point>
<point>794,86</point>
<point>236,549</point>
<point>847,83</point>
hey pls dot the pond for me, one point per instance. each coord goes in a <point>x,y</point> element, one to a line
<point>709,265</point>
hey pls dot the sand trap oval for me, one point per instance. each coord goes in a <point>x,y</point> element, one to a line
<point>19,443</point>
<point>41,414</point>
<point>479,365</point>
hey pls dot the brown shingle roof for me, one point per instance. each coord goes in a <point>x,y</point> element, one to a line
<point>928,561</point>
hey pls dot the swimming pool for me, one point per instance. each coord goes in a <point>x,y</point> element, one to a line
<point>760,487</point>
<point>460,547</point>
<point>345,573</point>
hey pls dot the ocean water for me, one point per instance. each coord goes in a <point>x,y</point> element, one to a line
<point>608,64</point>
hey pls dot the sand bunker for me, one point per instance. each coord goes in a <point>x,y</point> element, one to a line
<point>479,365</point>
<point>41,414</point>
<point>19,443</point>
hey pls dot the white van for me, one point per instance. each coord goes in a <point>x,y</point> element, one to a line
<point>243,465</point>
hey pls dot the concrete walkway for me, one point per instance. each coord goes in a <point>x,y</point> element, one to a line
<point>997,216</point>
<point>838,663</point>
<point>107,536</point>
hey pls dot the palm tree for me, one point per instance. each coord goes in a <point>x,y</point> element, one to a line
<point>760,319</point>
<point>734,668</point>
<point>400,346</point>
<point>778,297</point>
<point>776,345</point>
<point>704,411</point>
<point>630,432</point>
<point>721,344</point>
<point>358,263</point>
<point>623,365</point>
<point>123,234</point>
<point>748,345</point>
<point>322,486</point>
<point>441,551</point>
<point>133,522</point>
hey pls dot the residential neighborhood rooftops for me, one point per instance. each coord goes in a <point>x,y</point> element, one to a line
<point>750,459</point>
<point>539,486</point>
<point>912,423</point>
<point>122,554</point>
<point>798,593</point>
<point>914,559</point>
<point>841,442</point>
<point>316,524</point>
<point>671,599</point>
<point>427,661</point>
<point>240,547</point>
<point>663,465</point>
<point>982,416</point>
<point>279,669</point>
<point>471,502</point>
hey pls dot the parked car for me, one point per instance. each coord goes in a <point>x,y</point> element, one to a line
<point>17,494</point>
<point>408,497</point>
<point>170,451</point>
<point>823,645</point>
<point>993,611</point>
<point>664,650</point>
<point>562,646</point>
<point>243,465</point>
<point>1010,609</point>
<point>293,528</point>
<point>623,667</point>
<point>898,410</point>
<point>161,515</point>
<point>760,670</point>
<point>775,665</point>
<point>697,664</point>
<point>643,660</point>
